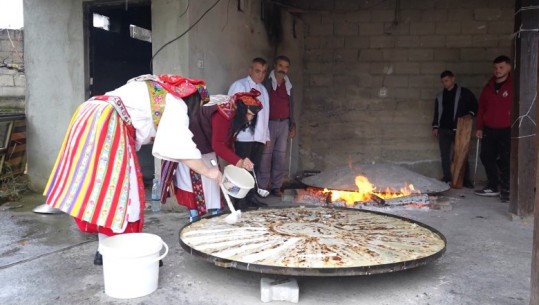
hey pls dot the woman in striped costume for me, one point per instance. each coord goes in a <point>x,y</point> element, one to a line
<point>97,178</point>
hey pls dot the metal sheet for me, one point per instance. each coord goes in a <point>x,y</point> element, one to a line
<point>381,175</point>
<point>314,242</point>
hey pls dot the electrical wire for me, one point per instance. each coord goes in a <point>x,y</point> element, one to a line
<point>186,8</point>
<point>226,19</point>
<point>185,32</point>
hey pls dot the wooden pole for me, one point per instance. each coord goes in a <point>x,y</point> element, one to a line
<point>524,98</point>
<point>534,279</point>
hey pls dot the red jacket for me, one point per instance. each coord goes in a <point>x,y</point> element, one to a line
<point>220,142</point>
<point>495,108</point>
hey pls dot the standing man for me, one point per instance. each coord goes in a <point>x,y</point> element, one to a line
<point>450,104</point>
<point>281,125</point>
<point>494,129</point>
<point>250,144</point>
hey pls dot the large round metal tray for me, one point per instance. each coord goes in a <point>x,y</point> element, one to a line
<point>314,242</point>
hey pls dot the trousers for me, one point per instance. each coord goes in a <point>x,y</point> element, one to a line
<point>272,166</point>
<point>495,156</point>
<point>446,141</point>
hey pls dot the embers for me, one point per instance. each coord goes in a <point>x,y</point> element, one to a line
<point>332,198</point>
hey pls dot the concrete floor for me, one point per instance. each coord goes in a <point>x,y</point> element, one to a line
<point>44,259</point>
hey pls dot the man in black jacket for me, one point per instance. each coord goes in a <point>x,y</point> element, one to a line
<point>450,104</point>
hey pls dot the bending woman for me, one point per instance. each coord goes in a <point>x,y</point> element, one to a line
<point>215,128</point>
<point>97,178</point>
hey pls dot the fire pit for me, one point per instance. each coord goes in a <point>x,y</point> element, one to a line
<point>314,242</point>
<point>359,185</point>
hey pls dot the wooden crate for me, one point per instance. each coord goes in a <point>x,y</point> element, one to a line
<point>13,145</point>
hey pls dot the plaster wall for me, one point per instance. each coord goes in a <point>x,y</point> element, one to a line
<point>353,49</point>
<point>54,63</point>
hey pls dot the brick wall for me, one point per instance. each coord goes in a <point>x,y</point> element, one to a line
<point>353,50</point>
<point>12,79</point>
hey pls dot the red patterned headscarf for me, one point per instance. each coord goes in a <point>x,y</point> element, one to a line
<point>180,86</point>
<point>228,108</point>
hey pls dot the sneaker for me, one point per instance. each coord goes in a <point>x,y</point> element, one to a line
<point>488,192</point>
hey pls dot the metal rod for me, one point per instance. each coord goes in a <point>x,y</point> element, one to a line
<point>476,158</point>
<point>290,160</point>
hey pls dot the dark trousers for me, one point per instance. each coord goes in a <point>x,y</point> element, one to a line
<point>446,141</point>
<point>495,156</point>
<point>253,151</point>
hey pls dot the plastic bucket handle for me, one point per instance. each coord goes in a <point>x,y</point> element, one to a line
<point>164,254</point>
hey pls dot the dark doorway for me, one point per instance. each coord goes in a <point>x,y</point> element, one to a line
<point>119,48</point>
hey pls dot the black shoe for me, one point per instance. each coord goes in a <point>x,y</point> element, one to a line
<point>98,259</point>
<point>257,203</point>
<point>468,184</point>
<point>246,205</point>
<point>446,181</point>
<point>160,263</point>
<point>277,193</point>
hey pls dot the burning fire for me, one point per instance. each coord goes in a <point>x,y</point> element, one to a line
<point>366,190</point>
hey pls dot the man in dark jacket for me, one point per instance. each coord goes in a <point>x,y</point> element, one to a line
<point>494,128</point>
<point>450,104</point>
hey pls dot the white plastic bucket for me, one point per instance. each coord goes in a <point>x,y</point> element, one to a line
<point>237,181</point>
<point>131,264</point>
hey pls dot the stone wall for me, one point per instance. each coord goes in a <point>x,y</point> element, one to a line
<point>372,72</point>
<point>12,79</point>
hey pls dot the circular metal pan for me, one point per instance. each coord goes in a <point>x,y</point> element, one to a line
<point>314,242</point>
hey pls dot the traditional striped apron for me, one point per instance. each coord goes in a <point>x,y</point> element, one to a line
<point>90,179</point>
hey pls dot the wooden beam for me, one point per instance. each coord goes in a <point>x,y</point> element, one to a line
<point>534,282</point>
<point>523,157</point>
<point>534,285</point>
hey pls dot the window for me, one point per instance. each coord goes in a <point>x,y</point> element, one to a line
<point>102,22</point>
<point>140,33</point>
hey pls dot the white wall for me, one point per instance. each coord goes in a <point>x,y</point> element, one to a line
<point>54,63</point>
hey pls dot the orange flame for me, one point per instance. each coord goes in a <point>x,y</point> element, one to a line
<point>365,191</point>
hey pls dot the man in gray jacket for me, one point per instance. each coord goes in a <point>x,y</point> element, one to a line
<point>450,104</point>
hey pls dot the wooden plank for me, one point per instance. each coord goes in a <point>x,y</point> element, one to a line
<point>15,155</point>
<point>18,136</point>
<point>460,151</point>
<point>17,148</point>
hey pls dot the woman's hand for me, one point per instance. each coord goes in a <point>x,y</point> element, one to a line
<point>215,174</point>
<point>246,164</point>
